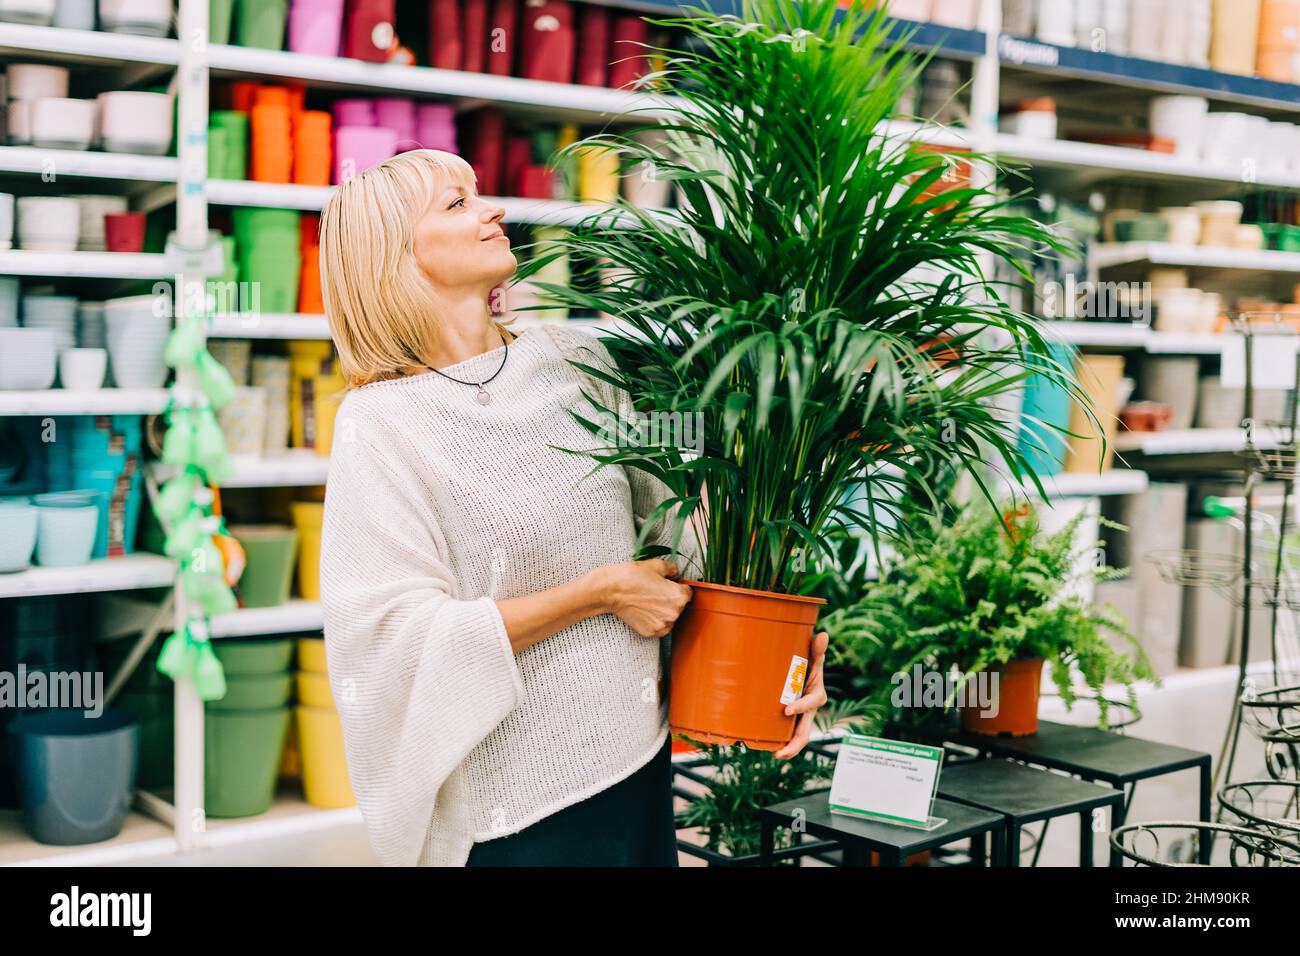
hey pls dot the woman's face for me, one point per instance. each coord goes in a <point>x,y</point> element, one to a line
<point>459,242</point>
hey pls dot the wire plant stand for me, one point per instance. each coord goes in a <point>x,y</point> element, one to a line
<point>1263,579</point>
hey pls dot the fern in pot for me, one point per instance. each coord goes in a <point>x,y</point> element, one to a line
<point>990,594</point>
<point>817,306</point>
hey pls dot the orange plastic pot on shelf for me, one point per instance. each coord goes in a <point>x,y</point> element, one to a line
<point>1016,699</point>
<point>739,657</point>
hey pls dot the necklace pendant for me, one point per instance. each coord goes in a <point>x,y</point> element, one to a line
<point>483,397</point>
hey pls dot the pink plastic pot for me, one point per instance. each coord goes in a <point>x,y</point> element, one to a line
<point>315,27</point>
<point>357,148</point>
<point>353,112</point>
<point>435,126</point>
<point>397,113</point>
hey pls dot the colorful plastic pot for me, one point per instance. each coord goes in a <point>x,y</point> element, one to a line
<point>66,532</point>
<point>324,765</point>
<point>246,658</point>
<point>314,689</point>
<point>124,231</point>
<point>317,383</point>
<point>311,655</point>
<point>254,692</point>
<point>271,552</point>
<point>260,23</point>
<point>308,516</point>
<point>1017,701</point>
<point>242,753</point>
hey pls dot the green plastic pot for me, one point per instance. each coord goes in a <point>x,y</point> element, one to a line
<point>270,552</point>
<point>218,144</point>
<point>261,23</point>
<point>265,656</point>
<point>235,126</point>
<point>254,692</point>
<point>250,223</point>
<point>1142,228</point>
<point>220,13</point>
<point>242,753</point>
<point>274,267</point>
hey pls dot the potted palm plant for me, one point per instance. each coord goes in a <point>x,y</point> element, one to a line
<point>817,305</point>
<point>991,593</point>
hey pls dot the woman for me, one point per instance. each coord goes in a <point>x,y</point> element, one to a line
<point>495,653</point>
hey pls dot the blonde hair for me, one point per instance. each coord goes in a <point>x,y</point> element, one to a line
<point>381,308</point>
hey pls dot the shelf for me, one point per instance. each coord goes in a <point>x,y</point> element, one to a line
<point>1124,335</point>
<point>104,401</point>
<point>1033,55</point>
<point>87,265</point>
<point>296,467</point>
<point>141,837</point>
<point>68,162</point>
<point>1194,441</point>
<point>105,574</point>
<point>1108,255</point>
<point>1119,481</point>
<point>56,44</point>
<point>294,617</point>
<point>1067,154</point>
<point>268,325</point>
<point>231,192</point>
<point>388,79</point>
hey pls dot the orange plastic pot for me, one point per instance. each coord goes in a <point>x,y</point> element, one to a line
<point>735,651</point>
<point>1016,698</point>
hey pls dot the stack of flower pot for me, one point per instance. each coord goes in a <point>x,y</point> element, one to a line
<point>245,730</point>
<point>319,734</point>
<point>270,553</point>
<point>73,768</point>
<point>316,383</point>
<point>308,515</point>
<point>268,242</point>
<point>150,696</point>
<point>101,456</point>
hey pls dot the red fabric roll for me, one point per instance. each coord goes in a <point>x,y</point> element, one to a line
<point>548,40</point>
<point>519,153</point>
<point>369,28</point>
<point>446,49</point>
<point>484,147</point>
<point>593,45</point>
<point>628,58</point>
<point>474,23</point>
<point>503,35</point>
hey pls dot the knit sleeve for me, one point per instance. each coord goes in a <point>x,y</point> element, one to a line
<point>420,676</point>
<point>648,491</point>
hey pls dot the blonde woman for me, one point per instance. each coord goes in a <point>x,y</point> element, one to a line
<point>495,654</point>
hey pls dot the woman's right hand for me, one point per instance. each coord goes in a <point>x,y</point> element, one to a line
<point>644,596</point>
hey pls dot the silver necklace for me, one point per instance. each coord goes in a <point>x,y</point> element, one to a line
<point>483,396</point>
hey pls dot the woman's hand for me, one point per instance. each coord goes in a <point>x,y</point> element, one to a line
<point>814,697</point>
<point>643,595</point>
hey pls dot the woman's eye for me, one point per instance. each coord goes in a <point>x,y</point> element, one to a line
<point>458,202</point>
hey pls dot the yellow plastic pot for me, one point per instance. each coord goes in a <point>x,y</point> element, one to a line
<point>307,517</point>
<point>325,780</point>
<point>314,689</point>
<point>311,655</point>
<point>314,392</point>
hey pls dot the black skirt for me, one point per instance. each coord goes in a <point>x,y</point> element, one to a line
<point>628,824</point>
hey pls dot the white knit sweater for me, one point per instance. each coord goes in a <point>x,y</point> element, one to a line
<point>436,507</point>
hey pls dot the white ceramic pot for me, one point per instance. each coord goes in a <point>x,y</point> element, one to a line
<point>1114,20</point>
<point>55,312</point>
<point>6,220</point>
<point>1181,119</point>
<point>91,330</point>
<point>65,533</point>
<point>1031,124</point>
<point>918,10</point>
<point>1184,225</point>
<point>1219,221</point>
<point>18,122</point>
<point>28,358</point>
<point>961,14</point>
<point>83,370</point>
<point>1278,153</point>
<point>1224,141</point>
<point>133,122</point>
<point>75,14</point>
<point>1089,26</point>
<point>1199,31</point>
<point>1179,310</point>
<point>62,123</point>
<point>1054,22</point>
<point>34,12</point>
<point>48,223</point>
<point>94,208</point>
<point>136,341</point>
<point>35,81</point>
<point>1146,24</point>
<point>149,18</point>
<point>243,422</point>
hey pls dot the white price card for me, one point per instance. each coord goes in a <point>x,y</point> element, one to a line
<point>886,780</point>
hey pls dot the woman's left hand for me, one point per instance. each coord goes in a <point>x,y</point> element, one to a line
<point>814,697</point>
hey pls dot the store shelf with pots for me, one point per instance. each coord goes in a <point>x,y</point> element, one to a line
<point>1195,441</point>
<point>141,837</point>
<point>38,161</point>
<point>125,573</point>
<point>294,467</point>
<point>91,48</point>
<point>1115,481</point>
<point>559,100</point>
<point>100,401</point>
<point>87,265</point>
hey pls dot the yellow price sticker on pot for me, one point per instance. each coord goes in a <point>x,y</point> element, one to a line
<point>794,679</point>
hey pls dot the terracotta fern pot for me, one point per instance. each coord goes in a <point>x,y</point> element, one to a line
<point>1017,698</point>
<point>734,653</point>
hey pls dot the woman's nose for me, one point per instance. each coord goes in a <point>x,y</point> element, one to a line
<point>492,212</point>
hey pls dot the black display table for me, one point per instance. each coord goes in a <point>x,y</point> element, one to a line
<point>1024,795</point>
<point>859,836</point>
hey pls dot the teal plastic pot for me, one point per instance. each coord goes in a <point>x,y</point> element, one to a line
<point>154,710</point>
<point>254,692</point>
<point>76,774</point>
<point>241,658</point>
<point>242,754</point>
<point>1043,442</point>
<point>261,23</point>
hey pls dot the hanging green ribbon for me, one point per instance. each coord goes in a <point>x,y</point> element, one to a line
<point>194,443</point>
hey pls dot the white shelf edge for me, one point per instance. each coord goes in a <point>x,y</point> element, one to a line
<point>87,265</point>
<point>103,401</point>
<point>1194,441</point>
<point>93,45</point>
<point>1108,254</point>
<point>295,616</point>
<point>128,573</point>
<point>68,162</point>
<point>295,467</point>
